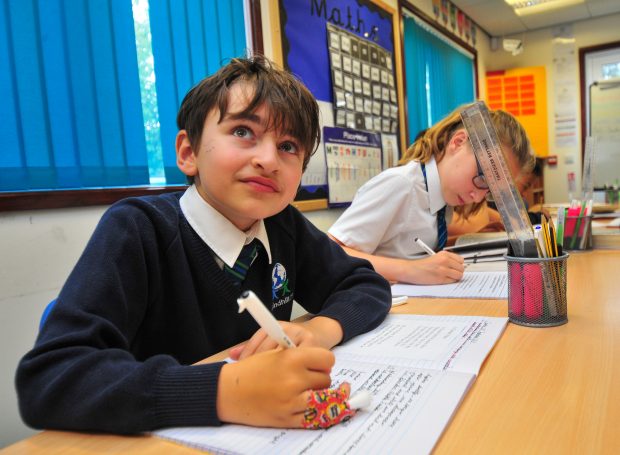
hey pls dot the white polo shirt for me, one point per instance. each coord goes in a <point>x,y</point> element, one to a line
<point>391,210</point>
<point>223,237</point>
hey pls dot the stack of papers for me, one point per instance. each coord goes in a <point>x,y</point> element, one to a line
<point>481,250</point>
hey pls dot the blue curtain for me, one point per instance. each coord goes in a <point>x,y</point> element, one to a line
<point>70,115</point>
<point>439,77</point>
<point>191,39</point>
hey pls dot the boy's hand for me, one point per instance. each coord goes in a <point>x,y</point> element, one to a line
<point>441,268</point>
<point>260,341</point>
<point>319,331</point>
<point>272,389</point>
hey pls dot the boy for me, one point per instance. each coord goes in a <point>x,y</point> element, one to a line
<point>155,290</point>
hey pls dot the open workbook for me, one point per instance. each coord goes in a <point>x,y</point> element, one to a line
<point>487,284</point>
<point>417,368</point>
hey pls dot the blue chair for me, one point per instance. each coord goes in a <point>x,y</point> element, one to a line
<point>46,313</point>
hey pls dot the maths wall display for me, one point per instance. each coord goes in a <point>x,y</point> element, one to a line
<point>309,50</point>
<point>364,90</point>
<point>353,157</point>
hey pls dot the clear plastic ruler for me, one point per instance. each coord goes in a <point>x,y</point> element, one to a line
<point>487,149</point>
<point>587,180</point>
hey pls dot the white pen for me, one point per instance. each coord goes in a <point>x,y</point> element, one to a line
<point>249,301</point>
<point>399,299</point>
<point>424,246</point>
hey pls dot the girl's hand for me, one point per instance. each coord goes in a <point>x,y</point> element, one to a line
<point>441,268</point>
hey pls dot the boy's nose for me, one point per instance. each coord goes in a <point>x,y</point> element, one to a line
<point>266,156</point>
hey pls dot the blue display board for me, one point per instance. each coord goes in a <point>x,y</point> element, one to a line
<point>303,24</point>
<point>304,36</point>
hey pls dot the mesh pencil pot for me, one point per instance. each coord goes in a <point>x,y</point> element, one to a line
<point>578,233</point>
<point>537,291</point>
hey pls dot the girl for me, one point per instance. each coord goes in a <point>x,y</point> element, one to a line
<point>439,173</point>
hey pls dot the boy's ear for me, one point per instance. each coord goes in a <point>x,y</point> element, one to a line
<point>186,158</point>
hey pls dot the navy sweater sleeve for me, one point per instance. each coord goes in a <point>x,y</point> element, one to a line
<point>333,284</point>
<point>84,372</point>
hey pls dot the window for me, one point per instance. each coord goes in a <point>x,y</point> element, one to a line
<point>91,89</point>
<point>439,75</point>
<point>600,101</point>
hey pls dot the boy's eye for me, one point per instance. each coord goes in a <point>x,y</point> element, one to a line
<point>242,131</point>
<point>289,147</point>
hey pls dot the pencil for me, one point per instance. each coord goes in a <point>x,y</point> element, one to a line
<point>556,269</point>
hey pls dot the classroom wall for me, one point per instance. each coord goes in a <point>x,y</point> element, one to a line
<point>538,51</point>
<point>39,248</point>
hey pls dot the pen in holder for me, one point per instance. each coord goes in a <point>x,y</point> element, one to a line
<point>537,291</point>
<point>578,233</point>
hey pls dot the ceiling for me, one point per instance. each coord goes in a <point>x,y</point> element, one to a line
<point>499,19</point>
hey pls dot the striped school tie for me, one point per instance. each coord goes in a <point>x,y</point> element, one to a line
<point>238,271</point>
<point>442,228</point>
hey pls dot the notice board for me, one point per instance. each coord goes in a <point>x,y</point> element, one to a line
<point>304,50</point>
<point>523,93</point>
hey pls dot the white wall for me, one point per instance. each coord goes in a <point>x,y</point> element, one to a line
<point>37,251</point>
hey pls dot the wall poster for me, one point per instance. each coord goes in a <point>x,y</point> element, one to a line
<point>523,93</point>
<point>353,157</point>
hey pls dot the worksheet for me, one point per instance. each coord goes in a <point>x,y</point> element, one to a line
<point>474,285</point>
<point>417,369</point>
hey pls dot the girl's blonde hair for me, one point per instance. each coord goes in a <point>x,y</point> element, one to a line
<point>434,140</point>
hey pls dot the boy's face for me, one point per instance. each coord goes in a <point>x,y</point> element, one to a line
<point>243,170</point>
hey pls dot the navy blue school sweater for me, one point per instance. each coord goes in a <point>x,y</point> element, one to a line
<point>146,300</point>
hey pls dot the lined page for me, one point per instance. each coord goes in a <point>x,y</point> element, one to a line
<point>417,369</point>
<point>409,411</point>
<point>474,285</point>
<point>459,343</point>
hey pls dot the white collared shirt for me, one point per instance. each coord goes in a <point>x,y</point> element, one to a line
<point>223,237</point>
<point>391,210</point>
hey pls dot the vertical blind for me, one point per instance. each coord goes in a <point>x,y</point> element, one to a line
<point>191,39</point>
<point>71,112</point>
<point>439,77</point>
